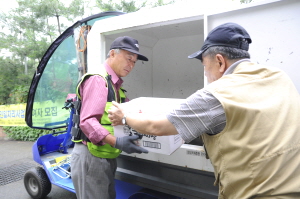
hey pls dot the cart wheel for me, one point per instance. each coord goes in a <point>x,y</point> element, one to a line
<point>37,183</point>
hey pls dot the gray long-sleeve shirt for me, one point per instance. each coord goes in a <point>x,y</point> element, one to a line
<point>200,113</point>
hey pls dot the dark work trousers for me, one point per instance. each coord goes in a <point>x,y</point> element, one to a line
<point>93,177</point>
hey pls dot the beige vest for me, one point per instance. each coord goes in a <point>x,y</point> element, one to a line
<point>258,152</point>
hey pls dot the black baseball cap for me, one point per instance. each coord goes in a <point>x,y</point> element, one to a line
<point>129,44</point>
<point>229,35</point>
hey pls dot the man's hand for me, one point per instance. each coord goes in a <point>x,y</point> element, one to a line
<point>115,114</point>
<point>127,144</point>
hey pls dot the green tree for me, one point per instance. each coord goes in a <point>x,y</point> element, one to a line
<point>14,87</point>
<point>47,10</point>
<point>27,33</point>
<point>161,3</point>
<point>245,1</point>
<point>7,78</point>
<point>128,6</point>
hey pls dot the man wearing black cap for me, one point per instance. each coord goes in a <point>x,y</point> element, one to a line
<point>248,118</point>
<point>93,160</point>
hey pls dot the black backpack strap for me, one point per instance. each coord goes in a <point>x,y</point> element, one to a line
<point>77,134</point>
<point>111,93</point>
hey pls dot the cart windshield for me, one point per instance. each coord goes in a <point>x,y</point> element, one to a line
<point>57,75</point>
<point>59,79</point>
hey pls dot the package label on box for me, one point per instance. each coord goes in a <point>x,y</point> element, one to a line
<point>157,144</point>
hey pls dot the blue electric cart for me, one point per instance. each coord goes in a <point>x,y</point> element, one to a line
<point>50,107</point>
<point>53,152</point>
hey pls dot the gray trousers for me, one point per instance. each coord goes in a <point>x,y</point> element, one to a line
<point>93,177</point>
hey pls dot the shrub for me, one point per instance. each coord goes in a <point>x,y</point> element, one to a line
<point>24,133</point>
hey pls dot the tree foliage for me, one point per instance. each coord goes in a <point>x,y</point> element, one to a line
<point>128,6</point>
<point>245,1</point>
<point>46,10</point>
<point>24,133</point>
<point>28,30</point>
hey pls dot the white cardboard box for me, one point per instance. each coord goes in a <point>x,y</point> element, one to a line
<point>154,106</point>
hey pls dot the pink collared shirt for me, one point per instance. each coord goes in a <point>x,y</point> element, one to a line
<point>94,97</point>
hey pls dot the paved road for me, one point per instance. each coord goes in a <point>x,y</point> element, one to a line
<point>15,160</point>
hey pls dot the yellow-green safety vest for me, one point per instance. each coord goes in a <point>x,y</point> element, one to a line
<point>105,151</point>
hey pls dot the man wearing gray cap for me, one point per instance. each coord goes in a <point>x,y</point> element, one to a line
<point>93,163</point>
<point>248,118</point>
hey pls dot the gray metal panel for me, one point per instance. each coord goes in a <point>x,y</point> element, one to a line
<point>274,29</point>
<point>178,181</point>
<point>168,73</point>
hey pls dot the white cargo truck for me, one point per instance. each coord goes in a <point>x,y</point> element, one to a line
<point>167,35</point>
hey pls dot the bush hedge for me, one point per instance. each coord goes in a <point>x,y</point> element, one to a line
<point>24,133</point>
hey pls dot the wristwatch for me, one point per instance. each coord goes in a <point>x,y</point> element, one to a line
<point>124,120</point>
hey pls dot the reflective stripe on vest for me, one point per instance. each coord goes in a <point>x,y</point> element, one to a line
<point>105,151</point>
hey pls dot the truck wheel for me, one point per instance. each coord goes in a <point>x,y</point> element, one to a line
<point>37,183</point>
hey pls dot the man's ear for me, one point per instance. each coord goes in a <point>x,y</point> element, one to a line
<point>112,53</point>
<point>222,62</point>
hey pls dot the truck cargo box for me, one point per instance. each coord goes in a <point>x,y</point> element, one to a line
<point>167,35</point>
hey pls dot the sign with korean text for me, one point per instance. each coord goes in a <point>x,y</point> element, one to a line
<point>49,114</point>
<point>44,114</point>
<point>12,115</point>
